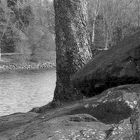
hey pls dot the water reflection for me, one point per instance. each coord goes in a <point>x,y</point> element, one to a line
<point>21,91</point>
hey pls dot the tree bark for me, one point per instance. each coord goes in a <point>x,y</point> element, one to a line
<point>72,46</point>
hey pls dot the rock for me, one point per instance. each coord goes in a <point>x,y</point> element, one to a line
<point>117,66</point>
<point>15,120</point>
<point>108,116</point>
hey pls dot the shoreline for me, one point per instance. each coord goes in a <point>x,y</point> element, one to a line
<point>7,67</point>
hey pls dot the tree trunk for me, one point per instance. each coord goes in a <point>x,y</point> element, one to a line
<point>93,32</point>
<point>72,46</point>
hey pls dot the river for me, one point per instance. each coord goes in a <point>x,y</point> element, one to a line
<point>21,91</point>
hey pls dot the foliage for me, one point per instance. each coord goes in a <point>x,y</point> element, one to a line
<point>26,24</point>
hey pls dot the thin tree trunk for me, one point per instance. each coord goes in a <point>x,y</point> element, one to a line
<point>138,13</point>
<point>72,46</point>
<point>0,54</point>
<point>93,32</point>
<point>94,20</point>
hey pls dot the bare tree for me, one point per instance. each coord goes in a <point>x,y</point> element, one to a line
<point>117,20</point>
<point>94,8</point>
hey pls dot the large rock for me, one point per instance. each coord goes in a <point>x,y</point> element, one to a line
<point>109,116</point>
<point>117,66</point>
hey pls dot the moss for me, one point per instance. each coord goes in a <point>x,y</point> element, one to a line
<point>108,112</point>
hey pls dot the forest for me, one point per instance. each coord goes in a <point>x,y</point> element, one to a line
<point>27,26</point>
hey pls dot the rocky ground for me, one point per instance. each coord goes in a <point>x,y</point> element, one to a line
<point>109,116</point>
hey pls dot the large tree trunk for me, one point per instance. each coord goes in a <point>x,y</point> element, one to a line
<point>72,46</point>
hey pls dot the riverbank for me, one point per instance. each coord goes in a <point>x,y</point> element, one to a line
<point>7,66</point>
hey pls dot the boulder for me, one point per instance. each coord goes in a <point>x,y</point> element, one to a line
<point>111,115</point>
<point>117,66</point>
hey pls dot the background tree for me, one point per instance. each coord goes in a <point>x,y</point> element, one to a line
<point>72,46</point>
<point>115,20</point>
<point>27,27</point>
<point>93,12</point>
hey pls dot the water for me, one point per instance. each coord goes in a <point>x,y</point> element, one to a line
<point>21,91</point>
